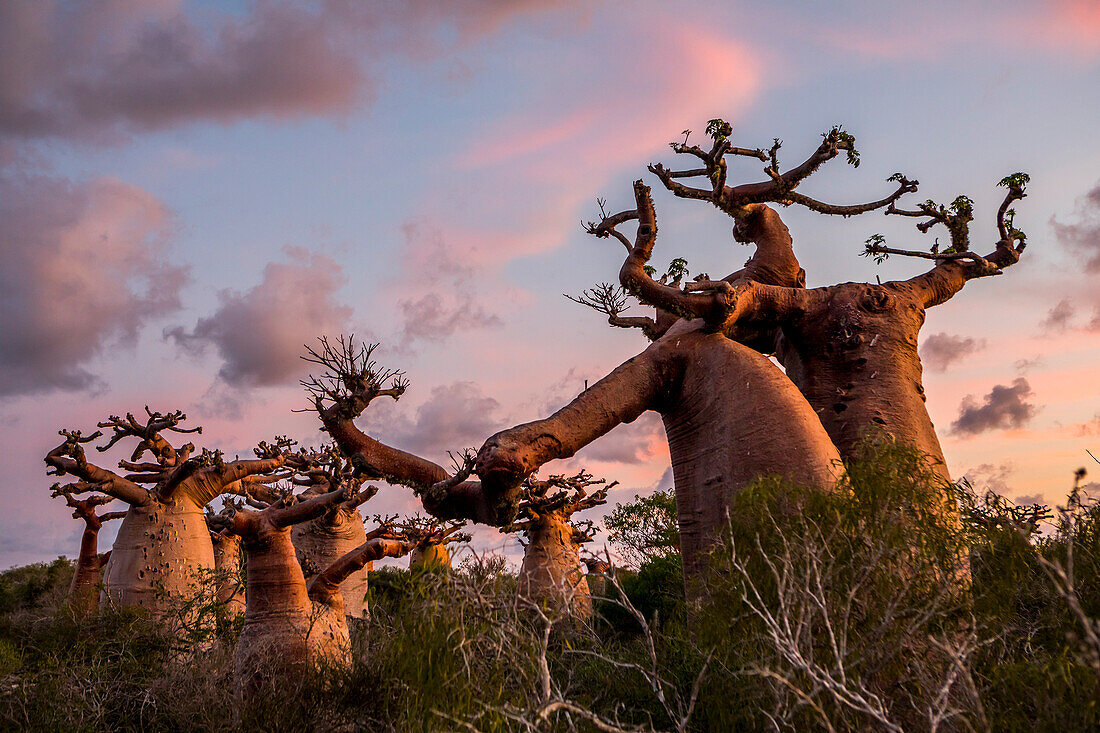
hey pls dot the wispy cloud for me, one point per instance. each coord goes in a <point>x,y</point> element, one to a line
<point>940,350</point>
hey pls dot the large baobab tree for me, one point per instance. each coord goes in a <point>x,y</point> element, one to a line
<point>730,415</point>
<point>88,571</point>
<point>551,572</point>
<point>163,540</point>
<point>850,348</point>
<point>674,376</point>
<point>289,624</point>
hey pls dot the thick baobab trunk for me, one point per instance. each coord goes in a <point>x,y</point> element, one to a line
<point>431,557</point>
<point>230,579</point>
<point>321,542</point>
<point>736,418</point>
<point>163,542</point>
<point>551,572</point>
<point>852,351</point>
<point>284,631</point>
<point>730,415</point>
<point>158,555</point>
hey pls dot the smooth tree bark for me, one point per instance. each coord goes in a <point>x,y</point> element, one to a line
<point>163,543</point>
<point>720,438</point>
<point>430,537</point>
<point>851,348</point>
<point>552,574</point>
<point>291,626</point>
<point>228,572</point>
<point>730,415</point>
<point>88,570</point>
<point>321,541</point>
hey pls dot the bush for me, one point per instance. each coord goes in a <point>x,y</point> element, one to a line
<point>849,611</point>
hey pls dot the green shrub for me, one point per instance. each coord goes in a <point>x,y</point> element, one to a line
<point>849,611</point>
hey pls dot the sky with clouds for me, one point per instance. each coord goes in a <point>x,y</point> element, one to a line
<point>191,191</point>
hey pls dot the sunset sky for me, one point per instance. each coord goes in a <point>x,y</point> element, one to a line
<point>191,191</point>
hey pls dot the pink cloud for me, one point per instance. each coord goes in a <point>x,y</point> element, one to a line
<point>646,100</point>
<point>259,334</point>
<point>1064,26</point>
<point>85,267</point>
<point>536,166</point>
<point>1061,27</point>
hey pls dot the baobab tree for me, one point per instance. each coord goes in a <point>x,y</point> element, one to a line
<point>850,348</point>
<point>551,573</point>
<point>163,541</point>
<point>596,577</point>
<point>88,571</point>
<point>730,415</point>
<point>430,537</point>
<point>672,376</point>
<point>290,625</point>
<point>322,540</point>
<point>228,573</point>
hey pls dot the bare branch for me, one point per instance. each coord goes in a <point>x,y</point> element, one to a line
<point>352,379</point>
<point>780,187</point>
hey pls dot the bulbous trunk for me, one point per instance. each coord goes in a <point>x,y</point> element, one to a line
<point>735,418</point>
<point>853,353</point>
<point>284,631</point>
<point>230,579</point>
<point>552,573</point>
<point>730,416</point>
<point>432,557</point>
<point>158,554</point>
<point>323,541</point>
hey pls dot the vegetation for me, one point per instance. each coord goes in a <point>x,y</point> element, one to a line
<point>825,611</point>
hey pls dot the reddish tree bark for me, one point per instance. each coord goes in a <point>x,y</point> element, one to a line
<point>321,541</point>
<point>729,414</point>
<point>290,625</point>
<point>163,541</point>
<point>88,570</point>
<point>551,574</point>
<point>850,348</point>
<point>716,435</point>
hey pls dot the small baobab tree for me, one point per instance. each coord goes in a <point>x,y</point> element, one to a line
<point>228,568</point>
<point>163,541</point>
<point>324,539</point>
<point>599,570</point>
<point>290,625</point>
<point>88,571</point>
<point>430,537</point>
<point>551,573</point>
